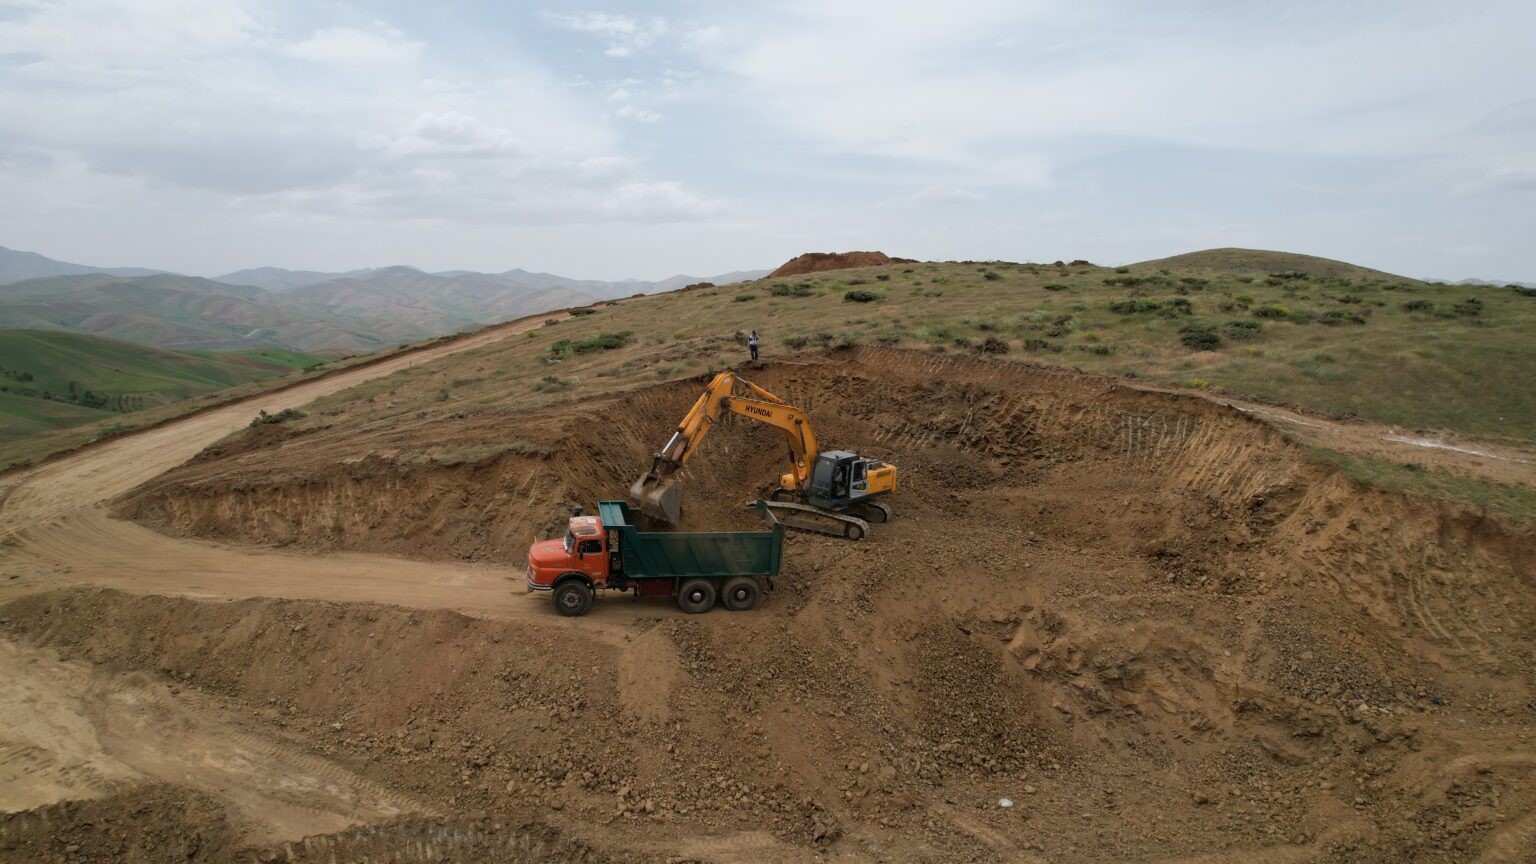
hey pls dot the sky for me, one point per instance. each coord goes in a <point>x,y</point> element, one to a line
<point>647,139</point>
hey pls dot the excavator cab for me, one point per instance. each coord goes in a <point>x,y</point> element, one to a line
<point>840,478</point>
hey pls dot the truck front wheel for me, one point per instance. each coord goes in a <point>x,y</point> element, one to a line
<point>695,596</point>
<point>573,597</point>
<point>739,594</point>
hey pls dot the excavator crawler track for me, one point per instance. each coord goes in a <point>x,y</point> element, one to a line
<point>804,517</point>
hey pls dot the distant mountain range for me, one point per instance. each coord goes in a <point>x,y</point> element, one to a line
<point>1496,282</point>
<point>16,266</point>
<point>311,311</point>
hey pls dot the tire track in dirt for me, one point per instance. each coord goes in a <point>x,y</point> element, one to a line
<point>127,729</point>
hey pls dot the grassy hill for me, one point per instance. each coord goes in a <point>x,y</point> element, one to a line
<point>1382,348</point>
<point>182,312</point>
<point>1232,261</point>
<point>50,380</point>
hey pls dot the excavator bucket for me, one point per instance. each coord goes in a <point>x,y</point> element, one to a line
<point>659,498</point>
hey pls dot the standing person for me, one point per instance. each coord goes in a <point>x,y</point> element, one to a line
<point>752,344</point>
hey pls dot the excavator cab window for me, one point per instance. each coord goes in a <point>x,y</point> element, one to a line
<point>860,482</point>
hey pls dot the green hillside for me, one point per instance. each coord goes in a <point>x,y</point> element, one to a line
<point>51,379</point>
<point>1232,261</point>
<point>1383,348</point>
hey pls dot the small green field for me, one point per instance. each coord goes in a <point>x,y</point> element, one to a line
<point>51,380</point>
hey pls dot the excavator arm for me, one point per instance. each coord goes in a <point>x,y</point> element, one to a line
<point>657,493</point>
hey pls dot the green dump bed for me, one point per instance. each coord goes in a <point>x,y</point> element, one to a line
<point>672,554</point>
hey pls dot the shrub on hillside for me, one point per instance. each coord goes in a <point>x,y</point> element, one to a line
<point>1056,286</point>
<point>1200,337</point>
<point>801,289</point>
<point>1470,307</point>
<point>589,344</point>
<point>1041,345</point>
<point>990,276</point>
<point>582,313</point>
<point>1418,306</point>
<point>993,345</point>
<point>1134,306</point>
<point>1335,317</point>
<point>283,416</point>
<point>1242,329</point>
<point>1271,310</point>
<point>795,343</point>
<point>859,295</point>
<point>550,384</point>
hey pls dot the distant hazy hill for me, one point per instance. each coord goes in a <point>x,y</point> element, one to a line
<point>410,299</point>
<point>278,280</point>
<point>50,380</point>
<point>281,281</point>
<point>16,266</point>
<point>183,312</point>
<point>1495,282</point>
<point>1236,261</point>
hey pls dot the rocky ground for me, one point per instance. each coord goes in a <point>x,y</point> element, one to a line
<point>1142,619</point>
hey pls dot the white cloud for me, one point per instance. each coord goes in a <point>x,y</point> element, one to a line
<point>382,45</point>
<point>625,34</point>
<point>862,78</point>
<point>637,114</point>
<point>222,101</point>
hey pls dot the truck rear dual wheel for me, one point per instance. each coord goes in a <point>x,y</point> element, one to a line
<point>572,598</point>
<point>695,596</point>
<point>740,593</point>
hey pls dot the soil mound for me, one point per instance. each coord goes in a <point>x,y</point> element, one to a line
<point>816,262</point>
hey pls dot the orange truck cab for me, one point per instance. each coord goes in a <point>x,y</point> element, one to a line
<point>607,552</point>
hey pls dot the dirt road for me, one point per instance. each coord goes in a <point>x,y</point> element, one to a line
<point>73,732</point>
<point>55,531</point>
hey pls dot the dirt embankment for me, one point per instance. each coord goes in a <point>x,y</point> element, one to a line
<point>1094,599</point>
<point>816,262</point>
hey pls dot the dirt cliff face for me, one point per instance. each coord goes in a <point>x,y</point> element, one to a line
<point>1093,600</point>
<point>815,262</point>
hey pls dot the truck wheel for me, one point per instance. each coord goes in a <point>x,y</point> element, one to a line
<point>739,594</point>
<point>695,596</point>
<point>572,598</point>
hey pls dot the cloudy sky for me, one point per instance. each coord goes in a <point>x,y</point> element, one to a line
<point>642,140</point>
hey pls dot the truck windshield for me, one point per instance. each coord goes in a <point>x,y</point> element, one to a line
<point>570,542</point>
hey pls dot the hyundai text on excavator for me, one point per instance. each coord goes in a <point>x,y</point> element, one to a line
<point>826,491</point>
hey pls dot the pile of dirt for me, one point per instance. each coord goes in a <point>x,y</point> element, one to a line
<point>816,262</point>
<point>156,824</point>
<point>1142,619</point>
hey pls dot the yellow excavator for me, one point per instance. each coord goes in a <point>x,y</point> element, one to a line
<point>827,491</point>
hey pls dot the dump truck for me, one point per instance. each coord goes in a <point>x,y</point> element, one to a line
<point>608,552</point>
<point>837,492</point>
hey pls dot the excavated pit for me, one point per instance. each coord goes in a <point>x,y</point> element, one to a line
<point>1143,618</point>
